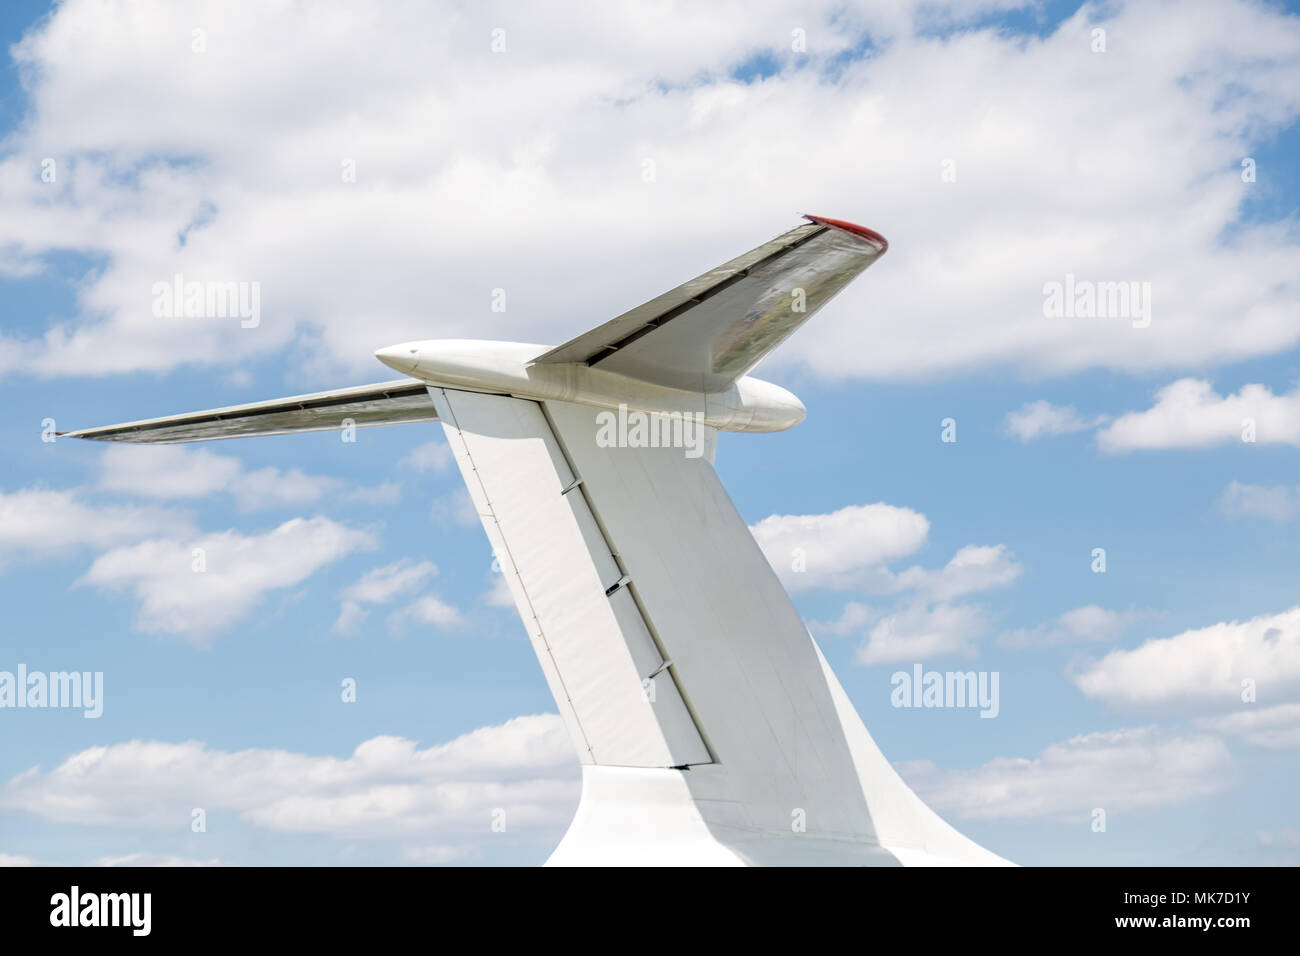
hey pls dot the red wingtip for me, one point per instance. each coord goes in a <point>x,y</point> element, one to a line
<point>869,234</point>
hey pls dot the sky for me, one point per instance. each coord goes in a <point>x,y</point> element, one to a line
<point>1098,505</point>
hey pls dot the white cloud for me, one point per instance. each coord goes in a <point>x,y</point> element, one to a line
<point>854,617</point>
<point>169,472</point>
<point>436,854</point>
<point>351,617</point>
<point>848,550</point>
<point>920,631</point>
<point>1090,623</point>
<point>174,472</point>
<point>498,593</point>
<point>1204,664</point>
<point>387,788</point>
<point>1272,728</point>
<point>271,487</point>
<point>384,493</point>
<point>1119,771</point>
<point>973,568</point>
<point>153,859</point>
<point>433,456</point>
<point>582,97</point>
<point>1189,414</point>
<point>841,550</point>
<point>429,609</point>
<point>1276,503</point>
<point>454,509</point>
<point>239,570</point>
<point>380,586</point>
<point>38,522</point>
<point>1037,419</point>
<point>9,859</point>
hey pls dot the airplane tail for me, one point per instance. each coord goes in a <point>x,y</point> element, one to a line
<point>708,724</point>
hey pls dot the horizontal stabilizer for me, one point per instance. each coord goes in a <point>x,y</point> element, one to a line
<point>708,332</point>
<point>387,403</point>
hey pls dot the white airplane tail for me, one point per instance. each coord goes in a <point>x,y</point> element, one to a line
<point>709,727</point>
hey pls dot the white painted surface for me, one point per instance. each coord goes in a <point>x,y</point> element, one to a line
<point>796,779</point>
<point>594,648</point>
<point>507,368</point>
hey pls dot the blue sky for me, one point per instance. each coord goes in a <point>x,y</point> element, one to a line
<point>525,172</point>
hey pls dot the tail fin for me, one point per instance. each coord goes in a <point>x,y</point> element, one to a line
<point>710,727</point>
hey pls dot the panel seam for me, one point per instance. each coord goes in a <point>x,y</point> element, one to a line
<point>505,544</point>
<point>629,585</point>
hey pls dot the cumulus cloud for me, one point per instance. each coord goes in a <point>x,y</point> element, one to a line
<point>849,549</point>
<point>40,522</point>
<point>380,586</point>
<point>433,456</point>
<point>1270,728</point>
<point>1205,664</point>
<point>455,508</point>
<point>387,788</point>
<point>1276,503</point>
<point>498,592</point>
<point>174,472</point>
<point>1042,418</point>
<point>273,487</point>
<point>1087,624</point>
<point>153,180</point>
<point>854,617</point>
<point>436,855</point>
<point>928,623</point>
<point>154,859</point>
<point>168,472</point>
<point>973,568</point>
<point>841,550</point>
<point>1189,414</point>
<point>1120,771</point>
<point>920,631</point>
<point>429,609</point>
<point>197,588</point>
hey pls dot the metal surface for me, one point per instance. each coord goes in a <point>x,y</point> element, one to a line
<point>602,663</point>
<point>788,746</point>
<point>507,368</point>
<point>707,333</point>
<point>386,403</point>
